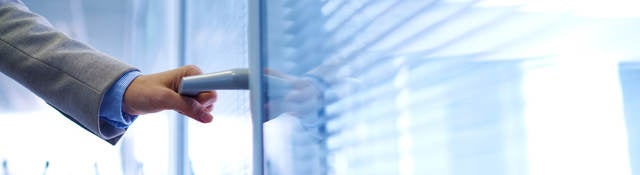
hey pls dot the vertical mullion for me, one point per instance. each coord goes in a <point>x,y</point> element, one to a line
<point>256,34</point>
<point>180,161</point>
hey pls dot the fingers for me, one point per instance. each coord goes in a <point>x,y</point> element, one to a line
<point>207,98</point>
<point>189,106</point>
<point>193,109</point>
<point>209,108</point>
<point>161,94</point>
<point>157,92</point>
<point>198,107</point>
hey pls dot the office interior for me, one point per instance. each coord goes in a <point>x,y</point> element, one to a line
<point>446,87</point>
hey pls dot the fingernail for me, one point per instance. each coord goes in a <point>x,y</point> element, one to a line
<point>206,118</point>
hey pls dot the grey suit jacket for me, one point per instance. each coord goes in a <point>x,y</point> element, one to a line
<point>69,75</point>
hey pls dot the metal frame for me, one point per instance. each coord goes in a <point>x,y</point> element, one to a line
<point>256,52</point>
<point>180,164</point>
<point>180,158</point>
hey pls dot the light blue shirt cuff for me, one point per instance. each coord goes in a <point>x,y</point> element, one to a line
<point>111,107</point>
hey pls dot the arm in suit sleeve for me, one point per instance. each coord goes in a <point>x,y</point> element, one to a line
<point>69,75</point>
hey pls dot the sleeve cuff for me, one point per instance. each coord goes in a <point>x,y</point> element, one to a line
<point>111,108</point>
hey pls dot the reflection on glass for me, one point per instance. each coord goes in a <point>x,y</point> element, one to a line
<point>297,96</point>
<point>447,87</point>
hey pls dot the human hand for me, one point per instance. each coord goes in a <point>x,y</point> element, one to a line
<point>156,92</point>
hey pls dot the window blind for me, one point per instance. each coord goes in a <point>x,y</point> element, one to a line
<point>419,87</point>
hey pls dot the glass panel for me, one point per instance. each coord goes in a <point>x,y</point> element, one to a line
<point>216,40</point>
<point>630,79</point>
<point>448,87</point>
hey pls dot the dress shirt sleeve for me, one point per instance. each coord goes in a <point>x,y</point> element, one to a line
<point>111,107</point>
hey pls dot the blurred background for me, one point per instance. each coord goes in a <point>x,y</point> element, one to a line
<point>451,87</point>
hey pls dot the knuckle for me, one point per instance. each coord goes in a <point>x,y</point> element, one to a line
<point>192,69</point>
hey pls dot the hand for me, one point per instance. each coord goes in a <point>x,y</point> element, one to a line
<point>156,92</point>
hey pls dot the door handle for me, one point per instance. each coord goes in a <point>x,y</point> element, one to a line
<point>232,79</point>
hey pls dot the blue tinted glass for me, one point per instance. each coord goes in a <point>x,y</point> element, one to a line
<point>216,40</point>
<point>449,87</point>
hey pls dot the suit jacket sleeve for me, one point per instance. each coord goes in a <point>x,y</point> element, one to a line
<point>69,75</point>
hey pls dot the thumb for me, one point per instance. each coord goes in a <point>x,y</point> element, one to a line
<point>188,70</point>
<point>173,77</point>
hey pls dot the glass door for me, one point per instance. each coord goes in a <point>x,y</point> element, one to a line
<point>447,87</point>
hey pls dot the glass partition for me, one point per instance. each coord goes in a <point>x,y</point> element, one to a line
<point>216,40</point>
<point>448,87</point>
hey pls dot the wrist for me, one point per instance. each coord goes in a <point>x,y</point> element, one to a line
<point>112,109</point>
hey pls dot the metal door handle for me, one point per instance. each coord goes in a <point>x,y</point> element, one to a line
<point>232,79</point>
